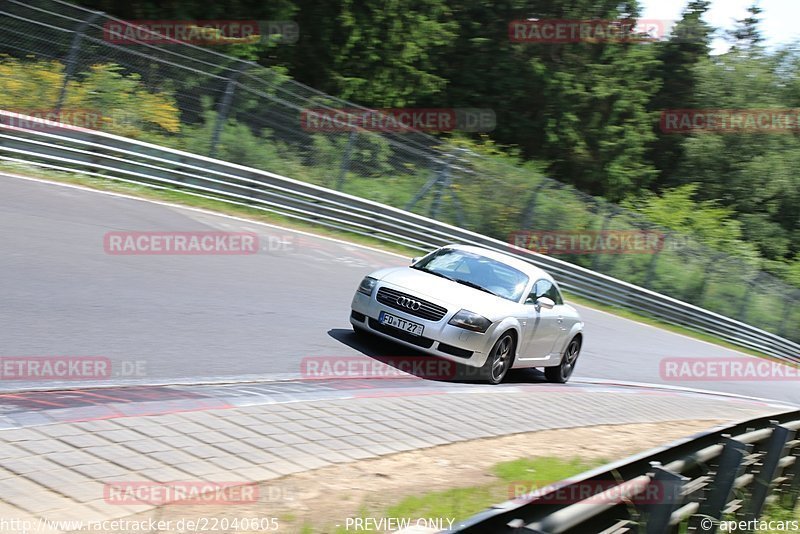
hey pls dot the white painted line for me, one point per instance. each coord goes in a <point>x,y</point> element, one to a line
<point>668,387</point>
<point>204,211</point>
<point>664,330</point>
<point>296,377</point>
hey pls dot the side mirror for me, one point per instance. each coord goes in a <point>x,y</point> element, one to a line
<point>545,302</point>
<point>415,260</point>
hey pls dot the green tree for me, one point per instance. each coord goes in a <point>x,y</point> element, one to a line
<point>747,33</point>
<point>119,101</point>
<point>751,173</point>
<point>579,106</point>
<point>712,224</point>
<point>378,53</point>
<point>688,45</point>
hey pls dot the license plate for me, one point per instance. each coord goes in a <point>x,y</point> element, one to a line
<point>398,322</point>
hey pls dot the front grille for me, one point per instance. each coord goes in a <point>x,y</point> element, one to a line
<point>427,310</point>
<point>401,334</point>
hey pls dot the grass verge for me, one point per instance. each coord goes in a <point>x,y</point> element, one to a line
<point>789,519</point>
<point>457,504</point>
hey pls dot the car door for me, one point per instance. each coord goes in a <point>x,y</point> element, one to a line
<point>543,326</point>
<point>564,318</point>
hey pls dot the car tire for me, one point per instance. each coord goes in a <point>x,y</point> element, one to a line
<point>499,360</point>
<point>561,373</point>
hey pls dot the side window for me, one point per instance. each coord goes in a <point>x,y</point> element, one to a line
<point>545,288</point>
<point>555,294</point>
<point>540,289</point>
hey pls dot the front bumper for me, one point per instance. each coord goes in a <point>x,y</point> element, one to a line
<point>439,338</point>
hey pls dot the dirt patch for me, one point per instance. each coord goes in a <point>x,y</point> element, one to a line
<point>322,499</point>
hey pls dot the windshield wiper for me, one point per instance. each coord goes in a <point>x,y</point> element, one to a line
<point>474,285</point>
<point>424,270</point>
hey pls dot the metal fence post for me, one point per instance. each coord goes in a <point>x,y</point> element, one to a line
<point>345,160</point>
<point>709,271</point>
<point>728,469</point>
<point>787,312</point>
<point>224,107</point>
<point>791,491</point>
<point>442,184</point>
<point>530,208</point>
<point>742,312</point>
<point>651,267</point>
<point>72,57</point>
<point>669,486</point>
<point>606,220</point>
<point>425,188</point>
<point>762,481</point>
<point>458,209</point>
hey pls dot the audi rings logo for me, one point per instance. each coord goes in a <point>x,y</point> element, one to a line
<point>406,302</point>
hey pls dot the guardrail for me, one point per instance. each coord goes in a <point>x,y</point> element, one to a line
<point>94,153</point>
<point>728,474</point>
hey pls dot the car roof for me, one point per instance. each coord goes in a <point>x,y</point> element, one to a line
<point>527,268</point>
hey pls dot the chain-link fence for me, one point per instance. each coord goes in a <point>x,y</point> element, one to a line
<point>58,57</point>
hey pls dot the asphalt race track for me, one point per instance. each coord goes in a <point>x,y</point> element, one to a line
<point>183,318</point>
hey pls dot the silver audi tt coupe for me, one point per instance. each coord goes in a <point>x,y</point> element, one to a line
<point>477,307</point>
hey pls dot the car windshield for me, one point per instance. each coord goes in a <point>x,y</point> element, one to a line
<point>476,271</point>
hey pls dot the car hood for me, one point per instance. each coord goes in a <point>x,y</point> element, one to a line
<point>442,290</point>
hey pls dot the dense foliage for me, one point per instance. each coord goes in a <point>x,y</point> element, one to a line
<point>589,112</point>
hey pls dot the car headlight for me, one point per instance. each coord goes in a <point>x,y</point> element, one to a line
<point>367,285</point>
<point>470,321</point>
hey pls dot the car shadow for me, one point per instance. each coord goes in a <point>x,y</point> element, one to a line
<point>422,365</point>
